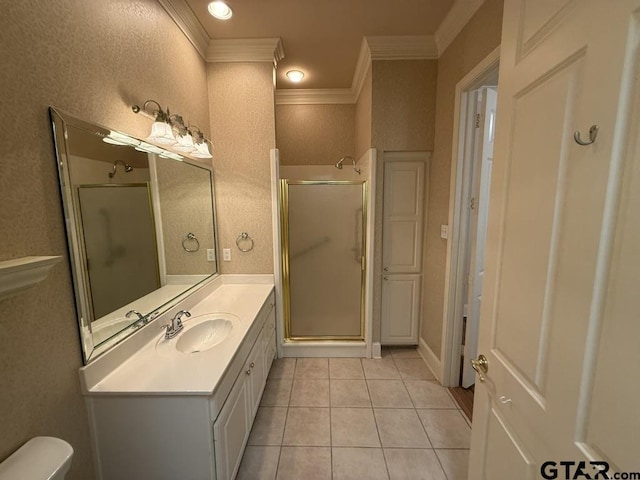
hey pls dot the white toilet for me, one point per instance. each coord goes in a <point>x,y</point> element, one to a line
<point>41,458</point>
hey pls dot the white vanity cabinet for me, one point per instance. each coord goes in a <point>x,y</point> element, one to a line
<point>233,425</point>
<point>185,435</point>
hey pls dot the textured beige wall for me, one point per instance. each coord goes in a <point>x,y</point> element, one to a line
<point>403,104</point>
<point>363,118</point>
<point>242,111</point>
<point>91,59</point>
<point>479,37</point>
<point>403,118</point>
<point>315,134</point>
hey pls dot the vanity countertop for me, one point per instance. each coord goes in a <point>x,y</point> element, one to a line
<point>147,372</point>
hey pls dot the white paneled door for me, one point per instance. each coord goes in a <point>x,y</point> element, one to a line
<point>559,323</point>
<point>404,179</point>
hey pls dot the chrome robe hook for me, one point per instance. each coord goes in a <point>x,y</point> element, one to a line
<point>593,134</point>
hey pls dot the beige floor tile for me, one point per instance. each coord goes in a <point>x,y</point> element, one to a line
<point>349,393</point>
<point>309,393</point>
<point>312,368</point>
<point>277,392</point>
<point>380,369</point>
<point>282,368</point>
<point>268,427</point>
<point>305,463</point>
<point>389,394</point>
<point>405,352</point>
<point>350,368</point>
<point>400,428</point>
<point>353,427</point>
<point>359,464</point>
<point>429,394</point>
<point>413,464</point>
<point>446,428</point>
<point>307,427</point>
<point>413,369</point>
<point>455,463</point>
<point>259,463</point>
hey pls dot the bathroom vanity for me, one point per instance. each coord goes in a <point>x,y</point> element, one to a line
<point>160,413</point>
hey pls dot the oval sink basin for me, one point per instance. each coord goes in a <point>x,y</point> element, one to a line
<point>204,335</point>
<point>201,333</point>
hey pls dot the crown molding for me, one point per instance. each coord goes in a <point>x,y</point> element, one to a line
<point>402,47</point>
<point>455,20</point>
<point>245,50</point>
<point>315,96</point>
<point>362,69</point>
<point>186,21</point>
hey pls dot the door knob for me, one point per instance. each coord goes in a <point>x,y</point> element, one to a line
<point>480,365</point>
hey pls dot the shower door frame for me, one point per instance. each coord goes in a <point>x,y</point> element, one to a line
<point>286,290</point>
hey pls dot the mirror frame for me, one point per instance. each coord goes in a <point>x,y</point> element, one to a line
<point>60,121</point>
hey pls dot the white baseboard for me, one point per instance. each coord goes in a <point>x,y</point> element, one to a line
<point>376,350</point>
<point>324,349</point>
<point>431,359</point>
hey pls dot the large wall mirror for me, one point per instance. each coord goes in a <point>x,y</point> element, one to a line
<point>140,226</point>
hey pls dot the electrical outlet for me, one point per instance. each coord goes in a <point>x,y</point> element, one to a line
<point>444,231</point>
<point>226,254</point>
<point>211,255</point>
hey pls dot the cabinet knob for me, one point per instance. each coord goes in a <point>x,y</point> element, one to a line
<point>386,278</point>
<point>248,372</point>
<point>386,269</point>
<point>252,364</point>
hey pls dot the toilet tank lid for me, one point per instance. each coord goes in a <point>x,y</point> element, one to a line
<point>38,459</point>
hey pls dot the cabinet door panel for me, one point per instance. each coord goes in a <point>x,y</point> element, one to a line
<point>255,376</point>
<point>231,430</point>
<point>400,309</point>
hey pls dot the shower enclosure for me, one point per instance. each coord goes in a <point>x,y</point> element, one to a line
<point>323,225</point>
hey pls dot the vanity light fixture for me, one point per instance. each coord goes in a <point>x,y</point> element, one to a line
<point>187,140</point>
<point>202,149</point>
<point>117,138</point>
<point>220,10</point>
<point>295,76</point>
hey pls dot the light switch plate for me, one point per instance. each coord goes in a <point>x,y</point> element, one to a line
<point>226,254</point>
<point>444,231</point>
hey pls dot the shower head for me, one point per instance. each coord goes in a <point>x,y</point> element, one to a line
<point>339,164</point>
<point>127,168</point>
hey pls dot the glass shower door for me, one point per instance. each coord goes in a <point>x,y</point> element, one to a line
<point>323,256</point>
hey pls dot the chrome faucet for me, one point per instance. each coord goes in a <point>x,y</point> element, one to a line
<point>175,326</point>
<point>142,320</point>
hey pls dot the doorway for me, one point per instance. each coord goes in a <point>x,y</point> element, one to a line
<point>473,155</point>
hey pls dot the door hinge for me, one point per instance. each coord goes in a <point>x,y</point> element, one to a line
<point>472,203</point>
<point>477,120</point>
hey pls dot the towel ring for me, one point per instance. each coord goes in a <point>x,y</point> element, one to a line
<point>244,237</point>
<point>190,238</point>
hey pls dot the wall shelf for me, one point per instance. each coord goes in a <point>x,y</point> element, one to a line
<point>20,274</point>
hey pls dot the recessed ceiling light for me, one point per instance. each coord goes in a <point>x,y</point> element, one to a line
<point>295,75</point>
<point>220,10</point>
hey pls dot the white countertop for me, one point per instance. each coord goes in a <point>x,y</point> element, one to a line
<point>147,372</point>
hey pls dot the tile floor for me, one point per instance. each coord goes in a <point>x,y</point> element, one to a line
<point>356,419</point>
